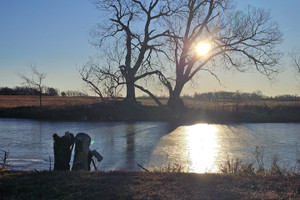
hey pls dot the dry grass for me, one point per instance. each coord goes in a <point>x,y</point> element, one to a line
<point>144,185</point>
<point>11,101</point>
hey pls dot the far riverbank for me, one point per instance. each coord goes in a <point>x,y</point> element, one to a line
<point>119,111</point>
<point>91,109</point>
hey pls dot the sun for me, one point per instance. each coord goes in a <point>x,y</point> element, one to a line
<point>202,48</point>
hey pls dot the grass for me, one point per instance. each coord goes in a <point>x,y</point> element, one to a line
<point>145,185</point>
<point>12,101</point>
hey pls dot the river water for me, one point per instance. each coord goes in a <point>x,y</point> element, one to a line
<point>196,148</point>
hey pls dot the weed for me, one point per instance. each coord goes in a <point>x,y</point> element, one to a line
<point>175,168</point>
<point>238,166</point>
<point>275,168</point>
<point>4,163</point>
<point>259,157</point>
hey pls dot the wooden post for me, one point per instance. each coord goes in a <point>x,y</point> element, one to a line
<point>82,143</point>
<point>63,147</point>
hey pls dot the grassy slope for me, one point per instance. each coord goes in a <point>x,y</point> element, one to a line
<point>142,185</point>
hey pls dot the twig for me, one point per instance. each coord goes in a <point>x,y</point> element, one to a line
<point>50,163</point>
<point>94,164</point>
<point>143,167</point>
<point>4,161</point>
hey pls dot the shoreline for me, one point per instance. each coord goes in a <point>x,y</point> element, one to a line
<point>120,112</point>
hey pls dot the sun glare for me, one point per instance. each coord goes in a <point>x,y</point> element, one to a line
<point>203,146</point>
<point>203,48</point>
<point>195,148</point>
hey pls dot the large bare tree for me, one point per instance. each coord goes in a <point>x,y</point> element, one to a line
<point>238,39</point>
<point>35,80</point>
<point>130,37</point>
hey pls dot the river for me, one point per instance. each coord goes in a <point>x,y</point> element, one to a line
<point>196,148</point>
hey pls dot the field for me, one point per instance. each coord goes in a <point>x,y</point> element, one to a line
<point>11,101</point>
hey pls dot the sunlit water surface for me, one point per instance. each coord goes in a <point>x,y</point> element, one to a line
<point>155,145</point>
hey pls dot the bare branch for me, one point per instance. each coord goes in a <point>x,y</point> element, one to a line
<point>213,74</point>
<point>149,93</point>
<point>295,58</point>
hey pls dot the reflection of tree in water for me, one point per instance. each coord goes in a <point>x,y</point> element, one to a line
<point>125,144</point>
<point>130,145</point>
<point>141,141</point>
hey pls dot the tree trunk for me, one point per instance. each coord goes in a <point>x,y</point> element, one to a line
<point>174,99</point>
<point>175,103</point>
<point>81,157</point>
<point>41,105</point>
<point>63,147</point>
<point>40,95</point>
<point>130,92</point>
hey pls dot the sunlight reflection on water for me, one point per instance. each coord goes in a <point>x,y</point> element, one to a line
<point>202,142</point>
<point>196,147</point>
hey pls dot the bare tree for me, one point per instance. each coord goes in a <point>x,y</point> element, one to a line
<point>295,58</point>
<point>100,79</point>
<point>238,40</point>
<point>35,81</point>
<point>131,28</point>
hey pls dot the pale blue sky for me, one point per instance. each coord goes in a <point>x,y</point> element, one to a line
<point>54,34</point>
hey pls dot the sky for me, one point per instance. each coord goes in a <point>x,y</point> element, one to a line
<point>54,35</point>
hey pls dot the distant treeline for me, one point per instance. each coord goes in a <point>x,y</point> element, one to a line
<point>235,96</point>
<point>223,96</point>
<point>47,91</point>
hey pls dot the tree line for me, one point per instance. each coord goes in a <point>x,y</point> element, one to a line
<point>47,91</point>
<point>233,96</point>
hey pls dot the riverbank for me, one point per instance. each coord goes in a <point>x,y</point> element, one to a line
<point>120,111</point>
<point>91,109</point>
<point>144,185</point>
